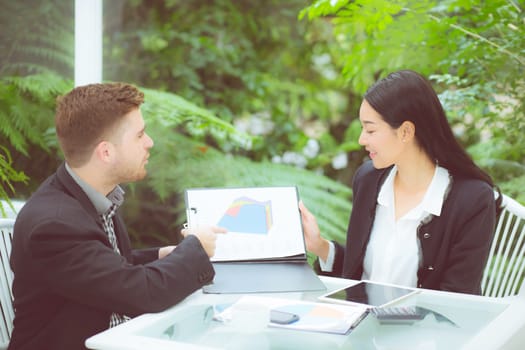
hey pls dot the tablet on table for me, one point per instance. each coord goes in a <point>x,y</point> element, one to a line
<point>373,294</point>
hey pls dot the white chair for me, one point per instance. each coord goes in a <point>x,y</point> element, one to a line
<point>6,281</point>
<point>505,268</point>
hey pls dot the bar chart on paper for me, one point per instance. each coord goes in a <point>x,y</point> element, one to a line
<point>262,223</point>
<point>247,215</point>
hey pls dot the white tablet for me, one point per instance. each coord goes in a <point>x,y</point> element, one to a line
<point>372,294</point>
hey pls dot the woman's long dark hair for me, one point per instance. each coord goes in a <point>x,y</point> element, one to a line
<point>407,96</point>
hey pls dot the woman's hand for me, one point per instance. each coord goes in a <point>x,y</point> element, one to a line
<point>312,235</point>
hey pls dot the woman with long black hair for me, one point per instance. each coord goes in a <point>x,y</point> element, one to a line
<point>423,212</point>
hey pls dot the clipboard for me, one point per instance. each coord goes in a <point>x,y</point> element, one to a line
<point>264,249</point>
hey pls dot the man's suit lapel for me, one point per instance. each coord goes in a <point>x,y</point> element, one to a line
<point>76,191</point>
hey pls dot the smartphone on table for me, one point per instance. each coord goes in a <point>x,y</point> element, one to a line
<point>282,317</point>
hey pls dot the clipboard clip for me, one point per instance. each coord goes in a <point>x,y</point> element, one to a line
<point>191,214</point>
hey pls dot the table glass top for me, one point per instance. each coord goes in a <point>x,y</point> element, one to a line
<point>454,320</point>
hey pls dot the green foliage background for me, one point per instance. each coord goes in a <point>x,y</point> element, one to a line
<point>472,50</point>
<point>234,86</point>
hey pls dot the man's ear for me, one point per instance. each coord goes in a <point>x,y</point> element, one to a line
<point>104,151</point>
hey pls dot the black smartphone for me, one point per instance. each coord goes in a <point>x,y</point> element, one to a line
<point>282,317</point>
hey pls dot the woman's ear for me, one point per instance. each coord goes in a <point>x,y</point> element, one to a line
<point>407,131</point>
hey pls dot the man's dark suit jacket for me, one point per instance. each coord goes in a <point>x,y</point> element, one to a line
<point>68,280</point>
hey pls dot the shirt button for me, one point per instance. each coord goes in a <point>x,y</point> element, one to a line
<point>430,268</point>
<point>426,235</point>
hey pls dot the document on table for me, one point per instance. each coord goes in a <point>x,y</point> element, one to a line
<point>263,222</point>
<point>313,316</point>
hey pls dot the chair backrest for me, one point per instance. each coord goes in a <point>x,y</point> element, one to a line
<point>6,281</point>
<point>505,268</point>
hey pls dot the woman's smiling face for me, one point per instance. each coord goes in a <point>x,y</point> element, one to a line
<point>383,143</point>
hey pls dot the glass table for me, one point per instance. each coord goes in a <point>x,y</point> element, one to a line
<point>459,321</point>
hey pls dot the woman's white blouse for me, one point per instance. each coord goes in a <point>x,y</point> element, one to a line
<point>393,253</point>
